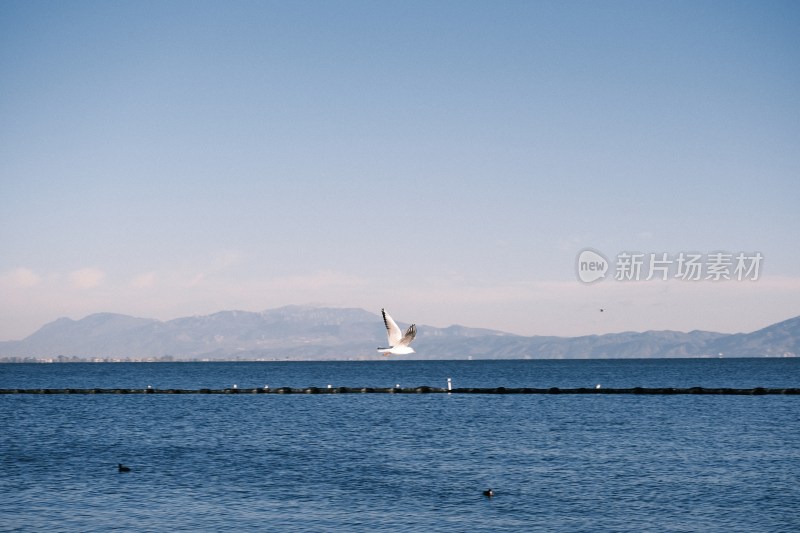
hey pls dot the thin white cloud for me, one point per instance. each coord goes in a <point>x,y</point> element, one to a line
<point>144,281</point>
<point>20,278</point>
<point>196,280</point>
<point>321,280</point>
<point>86,278</point>
<point>221,262</point>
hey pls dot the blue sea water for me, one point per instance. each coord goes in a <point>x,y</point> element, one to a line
<point>401,462</point>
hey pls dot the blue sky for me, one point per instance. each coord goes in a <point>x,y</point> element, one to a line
<point>445,160</point>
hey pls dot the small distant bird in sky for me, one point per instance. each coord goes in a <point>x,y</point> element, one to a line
<point>122,468</point>
<point>601,310</point>
<point>398,342</point>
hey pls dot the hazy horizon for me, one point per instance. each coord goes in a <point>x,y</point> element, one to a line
<point>379,326</point>
<point>446,160</point>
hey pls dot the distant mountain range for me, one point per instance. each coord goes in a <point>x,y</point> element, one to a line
<point>317,333</point>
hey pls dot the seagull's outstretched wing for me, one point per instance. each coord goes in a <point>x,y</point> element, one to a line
<point>394,334</point>
<point>398,341</point>
<point>411,332</point>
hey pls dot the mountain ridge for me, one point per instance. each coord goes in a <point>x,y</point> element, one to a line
<point>320,333</point>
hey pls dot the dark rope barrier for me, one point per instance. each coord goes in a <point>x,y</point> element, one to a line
<point>757,391</point>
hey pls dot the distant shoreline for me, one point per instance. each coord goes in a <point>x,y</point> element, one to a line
<point>168,359</point>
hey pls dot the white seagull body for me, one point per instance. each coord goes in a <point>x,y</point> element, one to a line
<point>398,342</point>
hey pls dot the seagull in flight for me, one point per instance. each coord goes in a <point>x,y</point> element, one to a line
<point>398,342</point>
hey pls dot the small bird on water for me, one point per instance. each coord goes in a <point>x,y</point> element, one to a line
<point>122,468</point>
<point>488,493</point>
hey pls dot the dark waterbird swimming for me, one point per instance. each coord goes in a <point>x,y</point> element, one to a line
<point>488,493</point>
<point>122,468</point>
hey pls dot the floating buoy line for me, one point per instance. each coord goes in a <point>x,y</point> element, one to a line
<point>757,391</point>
